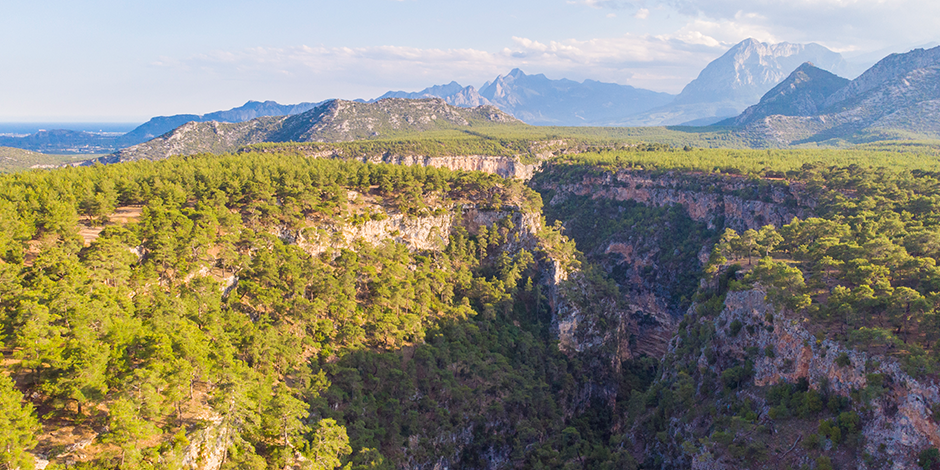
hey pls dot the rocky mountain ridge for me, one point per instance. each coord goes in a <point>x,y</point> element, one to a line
<point>803,93</point>
<point>334,121</point>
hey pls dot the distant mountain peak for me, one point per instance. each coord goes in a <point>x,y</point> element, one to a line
<point>738,79</point>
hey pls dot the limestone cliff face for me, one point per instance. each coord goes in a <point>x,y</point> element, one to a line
<point>417,233</point>
<point>896,426</point>
<point>507,167</point>
<point>706,198</point>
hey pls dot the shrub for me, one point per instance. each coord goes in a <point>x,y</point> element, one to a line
<point>929,458</point>
<point>735,327</point>
<point>812,441</point>
<point>843,360</point>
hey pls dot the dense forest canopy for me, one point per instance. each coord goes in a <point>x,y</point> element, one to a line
<point>231,298</point>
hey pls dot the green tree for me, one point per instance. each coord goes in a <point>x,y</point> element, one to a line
<point>329,445</point>
<point>18,427</point>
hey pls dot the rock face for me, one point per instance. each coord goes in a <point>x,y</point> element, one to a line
<point>417,233</point>
<point>899,93</point>
<point>648,262</point>
<point>507,167</point>
<point>208,446</point>
<point>896,427</point>
<point>738,79</point>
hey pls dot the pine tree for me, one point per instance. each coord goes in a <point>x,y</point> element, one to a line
<point>18,427</point>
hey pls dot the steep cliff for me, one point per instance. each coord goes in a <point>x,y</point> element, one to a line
<point>771,394</point>
<point>716,200</point>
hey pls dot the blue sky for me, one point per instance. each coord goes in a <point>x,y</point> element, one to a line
<point>128,60</point>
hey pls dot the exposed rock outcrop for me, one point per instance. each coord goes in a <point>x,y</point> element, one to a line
<point>896,426</point>
<point>208,447</point>
<point>507,167</point>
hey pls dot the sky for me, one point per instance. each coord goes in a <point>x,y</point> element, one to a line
<point>129,60</point>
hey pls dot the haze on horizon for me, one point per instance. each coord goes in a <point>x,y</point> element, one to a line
<point>118,60</point>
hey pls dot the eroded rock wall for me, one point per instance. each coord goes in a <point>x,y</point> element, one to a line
<point>896,425</point>
<point>736,202</point>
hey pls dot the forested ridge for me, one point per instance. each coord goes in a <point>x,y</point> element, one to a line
<point>231,315</point>
<point>133,332</point>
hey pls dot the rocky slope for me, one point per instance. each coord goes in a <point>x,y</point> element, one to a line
<point>338,120</point>
<point>899,93</point>
<point>160,125</point>
<point>717,200</point>
<point>198,137</point>
<point>737,80</point>
<point>334,121</point>
<point>803,93</point>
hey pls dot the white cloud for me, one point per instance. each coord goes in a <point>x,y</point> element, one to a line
<point>662,63</point>
<point>642,13</point>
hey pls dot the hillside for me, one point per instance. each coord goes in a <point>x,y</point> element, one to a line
<point>160,125</point>
<point>898,95</point>
<point>334,121</point>
<point>14,159</point>
<point>64,141</point>
<point>803,93</point>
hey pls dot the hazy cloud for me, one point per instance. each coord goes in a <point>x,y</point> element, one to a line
<point>838,24</point>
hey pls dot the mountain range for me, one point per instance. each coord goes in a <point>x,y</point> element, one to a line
<point>723,89</point>
<point>750,73</point>
<point>538,100</point>
<point>901,93</point>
